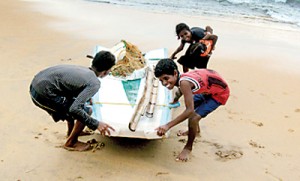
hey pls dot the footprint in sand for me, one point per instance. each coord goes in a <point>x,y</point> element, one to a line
<point>225,155</point>
<point>184,140</point>
<point>277,154</point>
<point>218,146</point>
<point>297,110</point>
<point>96,145</point>
<point>38,136</point>
<point>67,59</point>
<point>254,144</point>
<point>232,112</point>
<point>259,124</point>
<point>161,173</point>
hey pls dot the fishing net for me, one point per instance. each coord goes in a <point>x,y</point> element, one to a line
<point>129,59</point>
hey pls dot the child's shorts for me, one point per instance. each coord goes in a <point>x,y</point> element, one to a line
<point>58,108</point>
<point>205,104</point>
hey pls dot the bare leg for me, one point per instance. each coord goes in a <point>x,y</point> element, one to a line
<point>70,127</point>
<point>193,124</point>
<point>72,143</point>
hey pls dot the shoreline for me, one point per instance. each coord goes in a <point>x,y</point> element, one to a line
<point>255,135</point>
<point>277,38</point>
<point>242,19</point>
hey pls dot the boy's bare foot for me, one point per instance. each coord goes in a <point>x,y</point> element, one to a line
<point>83,133</point>
<point>184,155</point>
<point>182,133</point>
<point>78,146</point>
<point>185,133</point>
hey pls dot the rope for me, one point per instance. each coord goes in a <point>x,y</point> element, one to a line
<point>126,104</point>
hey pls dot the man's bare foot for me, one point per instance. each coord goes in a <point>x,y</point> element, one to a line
<point>184,155</point>
<point>78,146</point>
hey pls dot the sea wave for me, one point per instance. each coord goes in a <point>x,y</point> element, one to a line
<point>283,11</point>
<point>276,11</point>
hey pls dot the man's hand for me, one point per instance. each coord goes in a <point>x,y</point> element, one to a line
<point>162,130</point>
<point>104,128</point>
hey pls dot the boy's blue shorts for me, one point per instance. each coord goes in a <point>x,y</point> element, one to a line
<point>205,104</point>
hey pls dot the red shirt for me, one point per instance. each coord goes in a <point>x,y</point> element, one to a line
<point>208,81</point>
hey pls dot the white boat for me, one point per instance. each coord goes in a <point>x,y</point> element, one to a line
<point>134,105</point>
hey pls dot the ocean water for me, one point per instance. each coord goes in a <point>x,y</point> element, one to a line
<point>259,11</point>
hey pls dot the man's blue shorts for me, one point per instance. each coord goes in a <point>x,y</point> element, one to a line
<point>204,104</point>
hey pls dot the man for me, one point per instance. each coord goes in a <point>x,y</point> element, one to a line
<point>63,91</point>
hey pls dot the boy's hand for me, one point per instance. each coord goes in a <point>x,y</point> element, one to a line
<point>104,128</point>
<point>91,101</point>
<point>162,130</point>
<point>173,57</point>
<point>209,29</point>
<point>174,101</point>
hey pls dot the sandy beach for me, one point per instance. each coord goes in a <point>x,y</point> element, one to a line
<point>255,136</point>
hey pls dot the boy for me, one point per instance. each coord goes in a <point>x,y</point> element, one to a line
<point>204,90</point>
<point>202,43</point>
<point>63,90</point>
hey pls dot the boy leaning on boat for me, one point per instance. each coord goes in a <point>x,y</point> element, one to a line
<point>63,90</point>
<point>204,90</point>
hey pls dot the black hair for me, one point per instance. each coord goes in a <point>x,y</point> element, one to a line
<point>103,61</point>
<point>165,66</point>
<point>180,27</point>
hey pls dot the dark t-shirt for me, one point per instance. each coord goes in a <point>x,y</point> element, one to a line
<point>72,82</point>
<point>197,34</point>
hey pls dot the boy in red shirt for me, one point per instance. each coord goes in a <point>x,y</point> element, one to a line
<point>204,90</point>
